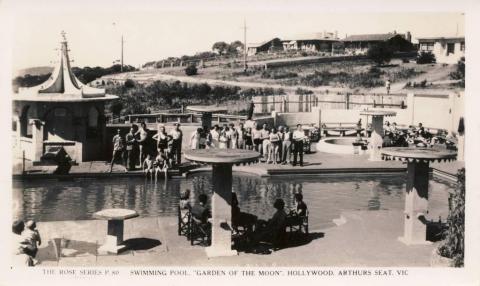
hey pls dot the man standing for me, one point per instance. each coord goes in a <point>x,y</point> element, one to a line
<point>215,135</point>
<point>286,146</point>
<point>117,149</point>
<point>265,137</point>
<point>177,136</point>
<point>130,141</point>
<point>387,86</point>
<point>298,138</point>
<point>240,136</point>
<point>142,141</point>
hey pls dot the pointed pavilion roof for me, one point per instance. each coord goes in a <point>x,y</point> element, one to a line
<point>62,85</point>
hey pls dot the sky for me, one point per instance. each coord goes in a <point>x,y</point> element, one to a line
<point>156,30</point>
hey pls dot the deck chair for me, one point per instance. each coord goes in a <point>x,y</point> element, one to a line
<point>200,231</point>
<point>184,217</point>
<point>296,223</point>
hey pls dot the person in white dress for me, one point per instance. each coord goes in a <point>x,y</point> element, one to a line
<point>195,139</point>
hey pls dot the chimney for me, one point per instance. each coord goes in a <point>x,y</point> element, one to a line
<point>408,36</point>
<point>336,34</point>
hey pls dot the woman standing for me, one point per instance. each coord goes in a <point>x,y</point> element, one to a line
<point>274,147</point>
<point>195,139</point>
<point>162,139</point>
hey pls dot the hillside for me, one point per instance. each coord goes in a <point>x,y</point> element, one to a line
<point>33,71</point>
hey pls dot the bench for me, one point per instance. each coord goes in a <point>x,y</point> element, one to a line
<point>184,217</point>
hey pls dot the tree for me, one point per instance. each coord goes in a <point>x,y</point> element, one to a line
<point>191,70</point>
<point>220,47</point>
<point>235,47</point>
<point>380,53</point>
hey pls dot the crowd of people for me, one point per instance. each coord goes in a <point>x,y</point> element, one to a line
<point>414,136</point>
<point>276,145</point>
<point>152,161</point>
<point>256,230</point>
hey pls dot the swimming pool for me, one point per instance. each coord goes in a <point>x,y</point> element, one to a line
<point>326,196</point>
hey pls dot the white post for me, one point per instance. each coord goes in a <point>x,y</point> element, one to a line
<point>376,140</point>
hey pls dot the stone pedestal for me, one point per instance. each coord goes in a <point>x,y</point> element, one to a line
<point>416,198</point>
<point>114,239</point>
<point>416,204</point>
<point>221,212</point>
<point>376,139</point>
<point>222,161</point>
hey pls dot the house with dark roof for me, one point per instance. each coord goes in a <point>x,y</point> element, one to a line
<point>359,44</point>
<point>273,45</point>
<point>448,50</point>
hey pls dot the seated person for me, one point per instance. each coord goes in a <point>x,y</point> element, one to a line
<point>300,206</point>
<point>185,200</point>
<point>200,211</point>
<point>160,164</point>
<point>147,165</point>
<point>245,220</point>
<point>273,229</point>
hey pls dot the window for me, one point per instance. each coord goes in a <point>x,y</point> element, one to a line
<point>450,48</point>
<point>462,46</point>
<point>427,46</point>
<point>25,127</point>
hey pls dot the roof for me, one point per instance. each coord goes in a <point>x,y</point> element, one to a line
<point>62,85</point>
<point>370,37</point>
<point>426,39</point>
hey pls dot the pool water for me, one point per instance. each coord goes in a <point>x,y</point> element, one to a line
<point>326,196</point>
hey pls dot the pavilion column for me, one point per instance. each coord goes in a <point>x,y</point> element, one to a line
<point>376,139</point>
<point>37,138</point>
<point>221,212</point>
<point>416,204</point>
<point>207,120</point>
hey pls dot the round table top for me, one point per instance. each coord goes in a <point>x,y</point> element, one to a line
<point>378,113</point>
<point>425,154</point>
<point>222,156</point>
<point>207,108</point>
<point>115,214</point>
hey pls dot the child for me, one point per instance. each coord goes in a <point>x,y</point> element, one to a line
<point>185,200</point>
<point>32,238</point>
<point>148,165</point>
<point>160,164</point>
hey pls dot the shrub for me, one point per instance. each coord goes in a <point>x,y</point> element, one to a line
<point>129,83</point>
<point>426,58</point>
<point>454,245</point>
<point>460,72</point>
<point>191,70</point>
<point>380,53</point>
<point>303,91</point>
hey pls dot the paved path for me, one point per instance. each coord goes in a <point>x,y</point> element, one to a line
<point>366,238</point>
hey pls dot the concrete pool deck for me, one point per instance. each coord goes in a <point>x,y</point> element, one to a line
<point>315,163</point>
<point>362,238</point>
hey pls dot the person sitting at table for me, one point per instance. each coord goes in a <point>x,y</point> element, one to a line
<point>300,206</point>
<point>185,200</point>
<point>273,230</point>
<point>201,211</point>
<point>245,220</point>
